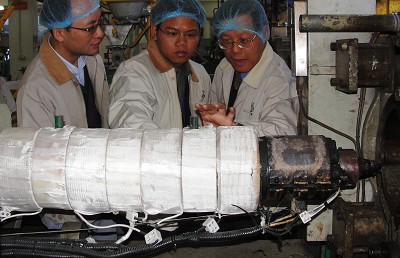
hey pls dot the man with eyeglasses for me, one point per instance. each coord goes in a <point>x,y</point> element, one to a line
<point>158,87</point>
<point>252,85</point>
<point>67,77</point>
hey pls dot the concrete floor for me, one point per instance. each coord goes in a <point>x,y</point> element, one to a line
<point>260,248</point>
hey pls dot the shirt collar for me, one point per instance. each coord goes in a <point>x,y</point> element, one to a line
<point>78,72</point>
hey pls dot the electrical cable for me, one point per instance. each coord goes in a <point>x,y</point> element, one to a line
<point>3,218</point>
<point>305,114</point>
<point>255,223</point>
<point>106,227</point>
<point>11,246</point>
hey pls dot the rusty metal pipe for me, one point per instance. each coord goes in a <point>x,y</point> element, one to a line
<point>350,23</point>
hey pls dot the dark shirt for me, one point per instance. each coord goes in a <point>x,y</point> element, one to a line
<point>182,74</point>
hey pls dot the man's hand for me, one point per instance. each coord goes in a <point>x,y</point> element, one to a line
<point>216,114</point>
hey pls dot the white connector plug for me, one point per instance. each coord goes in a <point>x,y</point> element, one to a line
<point>211,225</point>
<point>131,215</point>
<point>306,216</point>
<point>153,237</point>
<point>4,213</point>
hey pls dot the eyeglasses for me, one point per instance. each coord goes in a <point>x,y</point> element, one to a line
<point>90,30</point>
<point>173,34</point>
<point>241,43</point>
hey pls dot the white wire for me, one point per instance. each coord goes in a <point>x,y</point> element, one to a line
<point>317,209</point>
<point>104,227</point>
<point>145,217</point>
<point>20,215</point>
<point>128,234</point>
<point>168,218</point>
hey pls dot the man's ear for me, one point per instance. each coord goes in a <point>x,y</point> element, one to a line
<point>58,34</point>
<point>153,31</point>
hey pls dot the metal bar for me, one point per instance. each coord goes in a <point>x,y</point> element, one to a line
<point>350,23</point>
<point>300,42</point>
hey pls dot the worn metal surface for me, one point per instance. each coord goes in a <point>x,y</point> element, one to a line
<point>371,139</point>
<point>361,65</point>
<point>391,153</point>
<point>320,227</point>
<point>346,65</point>
<point>356,226</point>
<point>350,23</point>
<point>348,161</point>
<point>390,128</point>
<point>391,190</point>
<point>326,104</point>
<point>300,165</point>
<point>300,65</point>
<point>309,166</point>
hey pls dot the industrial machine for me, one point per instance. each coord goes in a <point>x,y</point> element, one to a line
<point>335,185</point>
<point>125,25</point>
<point>164,172</point>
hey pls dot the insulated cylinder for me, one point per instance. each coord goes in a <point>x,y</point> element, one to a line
<point>151,171</point>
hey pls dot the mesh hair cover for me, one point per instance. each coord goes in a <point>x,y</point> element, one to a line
<point>246,15</point>
<point>166,9</point>
<point>62,13</point>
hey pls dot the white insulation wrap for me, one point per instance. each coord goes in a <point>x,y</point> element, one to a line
<point>153,171</point>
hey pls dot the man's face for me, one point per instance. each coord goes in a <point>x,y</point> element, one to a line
<point>242,59</point>
<point>84,36</point>
<point>177,38</point>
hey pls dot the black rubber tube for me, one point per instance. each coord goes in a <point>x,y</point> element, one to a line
<point>35,253</point>
<point>30,248</point>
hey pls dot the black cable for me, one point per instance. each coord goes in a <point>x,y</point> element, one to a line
<point>35,253</point>
<point>255,223</point>
<point>10,247</point>
<point>305,114</point>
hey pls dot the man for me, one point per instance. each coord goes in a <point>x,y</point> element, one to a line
<point>159,87</point>
<point>67,77</point>
<point>252,80</point>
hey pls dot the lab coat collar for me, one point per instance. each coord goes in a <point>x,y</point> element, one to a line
<point>254,77</point>
<point>53,63</point>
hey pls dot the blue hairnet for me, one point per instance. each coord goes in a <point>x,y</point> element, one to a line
<point>226,17</point>
<point>166,9</point>
<point>62,13</point>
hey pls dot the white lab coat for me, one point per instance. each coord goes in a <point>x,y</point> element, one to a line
<point>143,93</point>
<point>267,97</point>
